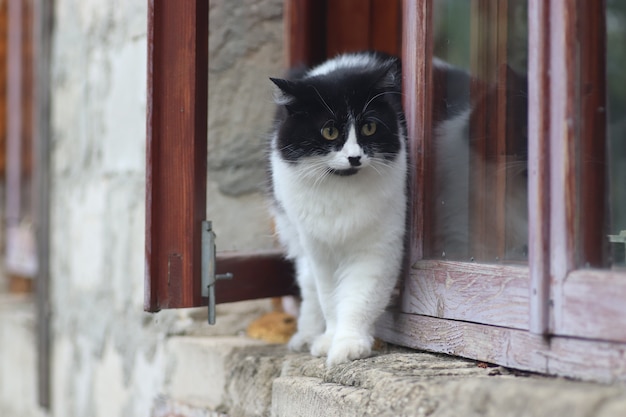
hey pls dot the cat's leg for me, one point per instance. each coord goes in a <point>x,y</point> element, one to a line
<point>326,287</point>
<point>310,319</point>
<point>364,290</point>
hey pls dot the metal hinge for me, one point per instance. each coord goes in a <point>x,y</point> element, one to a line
<point>208,268</point>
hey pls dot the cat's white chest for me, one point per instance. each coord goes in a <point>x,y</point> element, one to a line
<point>339,209</point>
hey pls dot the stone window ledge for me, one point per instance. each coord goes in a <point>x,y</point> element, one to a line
<point>238,376</point>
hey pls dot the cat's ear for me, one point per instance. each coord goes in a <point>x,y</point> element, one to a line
<point>390,75</point>
<point>285,94</point>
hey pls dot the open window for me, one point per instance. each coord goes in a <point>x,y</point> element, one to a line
<point>177,167</point>
<point>520,261</point>
<point>177,140</point>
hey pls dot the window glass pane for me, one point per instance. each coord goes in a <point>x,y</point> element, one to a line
<point>616,127</point>
<point>478,156</point>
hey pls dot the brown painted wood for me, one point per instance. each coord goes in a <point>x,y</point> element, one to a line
<point>348,26</point>
<point>256,275</point>
<point>481,293</point>
<point>593,206</point>
<point>580,359</point>
<point>176,151</point>
<point>317,29</point>
<point>386,26</point>
<point>305,32</point>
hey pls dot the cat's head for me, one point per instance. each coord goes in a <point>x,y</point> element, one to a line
<point>342,116</point>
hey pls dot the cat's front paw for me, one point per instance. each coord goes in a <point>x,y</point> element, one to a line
<point>348,349</point>
<point>321,344</point>
<point>300,341</point>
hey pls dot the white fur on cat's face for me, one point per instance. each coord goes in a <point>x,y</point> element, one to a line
<point>350,158</point>
<point>351,149</point>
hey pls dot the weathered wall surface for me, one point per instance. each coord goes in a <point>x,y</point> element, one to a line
<point>18,357</point>
<point>110,358</point>
<point>245,48</point>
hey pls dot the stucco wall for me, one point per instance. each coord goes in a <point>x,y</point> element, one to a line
<point>110,358</point>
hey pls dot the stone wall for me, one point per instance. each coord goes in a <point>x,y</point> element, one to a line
<point>244,50</point>
<point>110,358</point>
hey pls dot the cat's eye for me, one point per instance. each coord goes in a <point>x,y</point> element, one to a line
<point>368,129</point>
<point>330,133</point>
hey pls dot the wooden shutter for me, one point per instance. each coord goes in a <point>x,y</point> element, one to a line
<point>177,140</point>
<point>176,151</point>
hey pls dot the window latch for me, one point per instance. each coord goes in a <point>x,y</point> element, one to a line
<point>209,278</point>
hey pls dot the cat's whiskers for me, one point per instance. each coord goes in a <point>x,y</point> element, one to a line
<point>319,172</point>
<point>376,96</point>
<point>324,101</point>
<point>381,164</point>
<point>373,165</point>
<point>313,170</point>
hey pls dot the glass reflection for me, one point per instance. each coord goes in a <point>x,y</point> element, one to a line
<point>478,160</point>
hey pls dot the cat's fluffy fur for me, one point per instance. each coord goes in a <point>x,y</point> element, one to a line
<point>340,205</point>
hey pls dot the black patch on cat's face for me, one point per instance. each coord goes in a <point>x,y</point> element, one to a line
<point>342,98</point>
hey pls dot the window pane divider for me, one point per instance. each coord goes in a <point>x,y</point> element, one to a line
<point>538,166</point>
<point>562,150</point>
<point>417,55</point>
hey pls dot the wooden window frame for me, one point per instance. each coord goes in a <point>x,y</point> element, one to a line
<point>554,316</point>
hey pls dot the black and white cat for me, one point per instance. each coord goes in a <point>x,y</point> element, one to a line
<point>338,161</point>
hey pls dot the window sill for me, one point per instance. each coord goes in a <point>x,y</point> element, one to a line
<point>241,376</point>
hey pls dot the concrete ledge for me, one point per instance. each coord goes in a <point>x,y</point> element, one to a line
<point>18,357</point>
<point>266,380</point>
<point>199,368</point>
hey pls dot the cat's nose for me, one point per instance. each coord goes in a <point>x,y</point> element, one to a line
<point>355,161</point>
